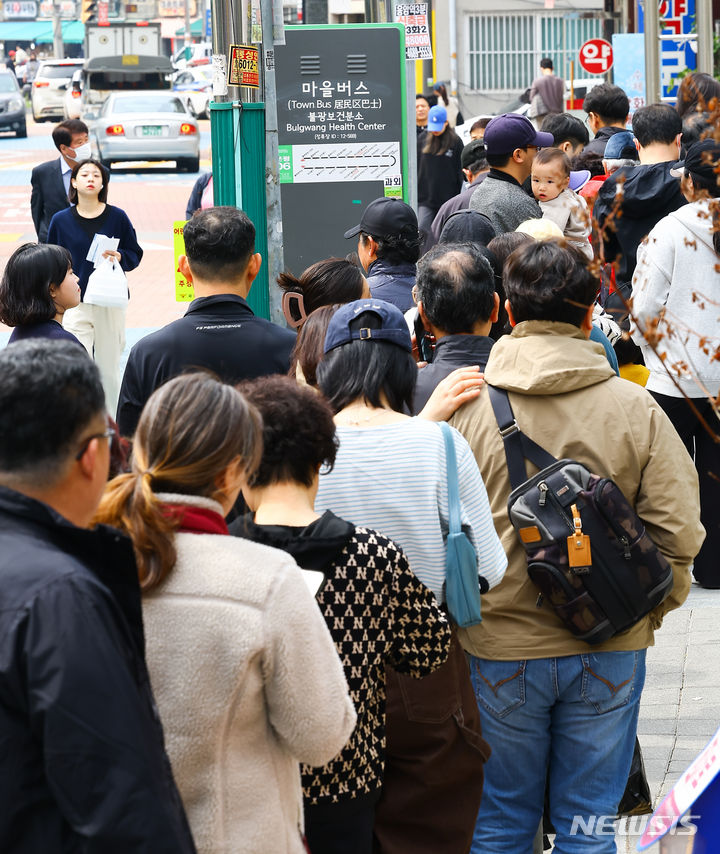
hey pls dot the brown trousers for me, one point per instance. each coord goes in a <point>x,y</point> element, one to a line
<point>433,777</point>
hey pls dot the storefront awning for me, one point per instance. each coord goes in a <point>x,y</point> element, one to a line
<point>196,29</point>
<point>41,32</point>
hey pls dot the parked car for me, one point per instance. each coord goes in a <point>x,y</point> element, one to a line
<point>72,103</point>
<point>48,88</point>
<point>102,76</point>
<point>146,126</point>
<point>188,54</point>
<point>12,105</point>
<point>521,104</point>
<point>194,86</point>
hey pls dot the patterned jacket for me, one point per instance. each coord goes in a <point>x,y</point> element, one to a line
<point>378,613</point>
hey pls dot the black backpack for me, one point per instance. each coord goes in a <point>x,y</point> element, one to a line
<point>586,548</point>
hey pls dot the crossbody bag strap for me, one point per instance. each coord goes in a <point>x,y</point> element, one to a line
<point>518,446</point>
<point>452,479</point>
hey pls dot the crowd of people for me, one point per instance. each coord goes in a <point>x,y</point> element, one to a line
<point>225,623</point>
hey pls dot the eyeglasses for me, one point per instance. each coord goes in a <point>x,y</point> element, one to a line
<point>107,434</point>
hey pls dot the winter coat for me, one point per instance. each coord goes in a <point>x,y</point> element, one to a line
<point>392,282</point>
<point>677,279</point>
<point>378,613</point>
<point>564,395</point>
<point>648,194</point>
<point>82,763</point>
<point>504,202</point>
<point>248,684</point>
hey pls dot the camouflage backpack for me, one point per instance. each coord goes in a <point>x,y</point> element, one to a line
<point>587,549</point>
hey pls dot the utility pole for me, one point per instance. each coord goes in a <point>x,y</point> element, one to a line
<point>704,27</point>
<point>58,46</point>
<point>187,25</point>
<point>275,259</point>
<point>652,51</point>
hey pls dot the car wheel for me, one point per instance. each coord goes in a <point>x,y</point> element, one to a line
<point>37,119</point>
<point>21,133</point>
<point>189,164</point>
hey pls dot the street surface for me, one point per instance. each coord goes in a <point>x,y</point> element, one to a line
<point>153,196</point>
<point>679,709</point>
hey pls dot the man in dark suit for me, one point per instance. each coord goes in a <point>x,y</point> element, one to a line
<point>51,181</point>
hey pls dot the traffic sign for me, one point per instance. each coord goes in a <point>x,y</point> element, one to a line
<point>596,56</point>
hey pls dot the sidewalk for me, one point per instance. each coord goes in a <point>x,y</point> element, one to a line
<point>680,706</point>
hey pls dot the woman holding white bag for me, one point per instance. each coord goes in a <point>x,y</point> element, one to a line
<point>100,328</point>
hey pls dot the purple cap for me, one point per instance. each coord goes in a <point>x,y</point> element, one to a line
<point>437,118</point>
<point>579,179</point>
<point>393,327</point>
<point>510,131</point>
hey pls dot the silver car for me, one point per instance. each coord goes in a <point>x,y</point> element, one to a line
<point>48,88</point>
<point>147,126</point>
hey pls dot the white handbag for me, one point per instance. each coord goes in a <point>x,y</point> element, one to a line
<point>107,285</point>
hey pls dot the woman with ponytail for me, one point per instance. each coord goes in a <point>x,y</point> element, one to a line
<point>334,280</point>
<point>674,305</point>
<point>244,671</point>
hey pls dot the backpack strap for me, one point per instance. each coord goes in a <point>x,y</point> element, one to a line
<point>452,479</point>
<point>518,446</point>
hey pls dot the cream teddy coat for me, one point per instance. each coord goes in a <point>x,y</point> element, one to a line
<point>248,685</point>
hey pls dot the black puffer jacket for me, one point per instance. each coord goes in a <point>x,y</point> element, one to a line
<point>82,762</point>
<point>649,194</point>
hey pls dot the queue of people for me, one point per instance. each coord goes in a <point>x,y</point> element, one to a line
<point>245,640</point>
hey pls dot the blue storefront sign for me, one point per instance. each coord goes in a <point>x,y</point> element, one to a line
<point>677,18</point>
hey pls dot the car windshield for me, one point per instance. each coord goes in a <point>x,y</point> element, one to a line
<point>7,84</point>
<point>146,105</point>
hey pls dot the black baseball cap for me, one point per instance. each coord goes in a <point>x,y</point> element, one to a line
<point>473,151</point>
<point>701,161</point>
<point>386,217</point>
<point>393,326</point>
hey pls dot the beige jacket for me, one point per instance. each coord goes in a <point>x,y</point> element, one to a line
<point>248,684</point>
<point>566,397</point>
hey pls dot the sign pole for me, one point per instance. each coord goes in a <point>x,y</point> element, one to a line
<point>274,258</point>
<point>652,51</point>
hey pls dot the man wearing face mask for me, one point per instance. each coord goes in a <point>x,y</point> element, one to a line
<point>50,181</point>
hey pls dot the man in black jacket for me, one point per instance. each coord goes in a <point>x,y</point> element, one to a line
<point>457,304</point>
<point>50,181</point>
<point>82,761</point>
<point>219,332</point>
<point>607,109</point>
<point>649,191</point>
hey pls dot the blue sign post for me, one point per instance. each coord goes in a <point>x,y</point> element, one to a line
<point>208,24</point>
<point>677,19</point>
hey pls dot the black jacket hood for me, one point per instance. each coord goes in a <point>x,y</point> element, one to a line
<point>313,547</point>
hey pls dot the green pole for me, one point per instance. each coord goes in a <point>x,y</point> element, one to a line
<point>252,180</point>
<point>222,131</point>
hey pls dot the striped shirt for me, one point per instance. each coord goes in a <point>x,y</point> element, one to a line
<point>393,478</point>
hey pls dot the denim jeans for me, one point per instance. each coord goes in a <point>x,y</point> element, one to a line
<point>570,720</point>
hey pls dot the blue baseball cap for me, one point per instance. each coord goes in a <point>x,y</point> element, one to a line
<point>436,118</point>
<point>620,146</point>
<point>393,327</point>
<point>509,131</point>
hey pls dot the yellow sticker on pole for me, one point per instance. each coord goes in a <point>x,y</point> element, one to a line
<point>243,68</point>
<point>184,291</point>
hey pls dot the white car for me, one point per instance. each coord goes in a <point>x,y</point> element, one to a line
<point>194,86</point>
<point>72,102</point>
<point>146,126</point>
<point>48,88</point>
<point>521,104</point>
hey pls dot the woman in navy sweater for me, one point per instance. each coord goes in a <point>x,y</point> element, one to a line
<point>101,330</point>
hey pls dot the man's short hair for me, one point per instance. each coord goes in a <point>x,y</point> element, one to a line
<point>397,248</point>
<point>63,133</point>
<point>456,285</point>
<point>656,123</point>
<point>549,280</point>
<point>50,392</point>
<point>608,102</point>
<point>546,62</point>
<point>566,128</point>
<point>219,243</point>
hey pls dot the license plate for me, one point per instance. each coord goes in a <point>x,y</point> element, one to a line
<point>152,130</point>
